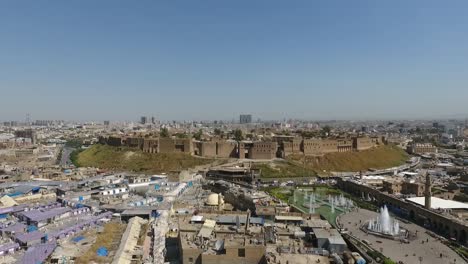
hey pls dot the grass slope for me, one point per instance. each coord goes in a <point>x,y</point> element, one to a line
<point>284,169</point>
<point>118,158</point>
<point>109,238</point>
<point>377,158</point>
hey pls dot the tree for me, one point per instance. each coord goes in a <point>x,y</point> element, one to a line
<point>238,135</point>
<point>325,131</point>
<point>308,134</point>
<point>217,131</point>
<point>181,135</point>
<point>198,135</point>
<point>164,132</point>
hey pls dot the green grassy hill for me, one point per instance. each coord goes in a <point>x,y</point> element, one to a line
<point>283,169</point>
<point>377,158</point>
<point>127,159</point>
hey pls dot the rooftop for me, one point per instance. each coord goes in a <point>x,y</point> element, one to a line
<point>438,203</point>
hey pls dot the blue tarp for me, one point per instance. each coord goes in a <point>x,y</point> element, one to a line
<point>78,239</point>
<point>156,186</point>
<point>155,214</point>
<point>102,252</point>
<point>2,216</point>
<point>15,194</point>
<point>31,228</point>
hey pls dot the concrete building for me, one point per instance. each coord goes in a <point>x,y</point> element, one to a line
<point>226,149</point>
<point>263,150</point>
<point>319,146</point>
<point>174,145</point>
<point>221,239</point>
<point>288,145</point>
<point>363,143</point>
<point>330,239</point>
<point>245,119</point>
<point>345,145</point>
<point>151,145</point>
<point>206,149</point>
<point>403,187</point>
<point>392,187</point>
<point>134,142</point>
<point>216,149</point>
<point>233,174</point>
<point>413,188</point>
<point>27,133</point>
<point>419,148</point>
<point>115,141</point>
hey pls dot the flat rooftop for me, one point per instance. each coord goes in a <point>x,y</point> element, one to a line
<point>438,203</point>
<point>301,258</point>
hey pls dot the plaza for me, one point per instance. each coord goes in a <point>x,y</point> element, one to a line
<point>422,249</point>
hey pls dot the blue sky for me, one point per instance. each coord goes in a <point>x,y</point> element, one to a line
<point>216,59</point>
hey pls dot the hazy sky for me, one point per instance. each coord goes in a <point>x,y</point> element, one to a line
<point>216,59</point>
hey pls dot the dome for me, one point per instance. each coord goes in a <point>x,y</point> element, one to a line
<point>213,199</point>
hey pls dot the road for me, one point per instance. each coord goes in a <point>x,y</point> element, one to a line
<point>65,160</point>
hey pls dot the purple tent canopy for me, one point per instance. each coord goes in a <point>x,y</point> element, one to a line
<point>7,247</point>
<point>28,237</point>
<point>41,215</point>
<point>21,207</point>
<point>17,228</point>
<point>79,226</point>
<point>38,253</point>
<point>13,209</point>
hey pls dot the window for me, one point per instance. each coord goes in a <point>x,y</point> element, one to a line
<point>190,259</point>
<point>241,252</point>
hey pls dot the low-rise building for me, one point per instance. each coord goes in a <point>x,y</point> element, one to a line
<point>263,150</point>
<point>422,148</point>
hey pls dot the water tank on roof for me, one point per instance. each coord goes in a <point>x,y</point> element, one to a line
<point>214,200</point>
<point>299,234</point>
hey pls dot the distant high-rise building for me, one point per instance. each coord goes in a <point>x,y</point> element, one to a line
<point>245,119</point>
<point>143,120</point>
<point>10,123</point>
<point>106,123</point>
<point>153,120</point>
<point>27,133</point>
<point>43,123</point>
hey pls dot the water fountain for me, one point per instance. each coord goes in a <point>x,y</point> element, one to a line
<point>384,224</point>
<point>311,204</point>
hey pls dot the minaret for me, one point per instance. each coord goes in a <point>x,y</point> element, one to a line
<point>428,194</point>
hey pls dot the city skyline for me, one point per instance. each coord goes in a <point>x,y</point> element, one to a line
<point>214,61</point>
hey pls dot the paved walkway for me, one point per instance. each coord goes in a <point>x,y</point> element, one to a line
<point>407,253</point>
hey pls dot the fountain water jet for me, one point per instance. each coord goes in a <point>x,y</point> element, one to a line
<point>384,223</point>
